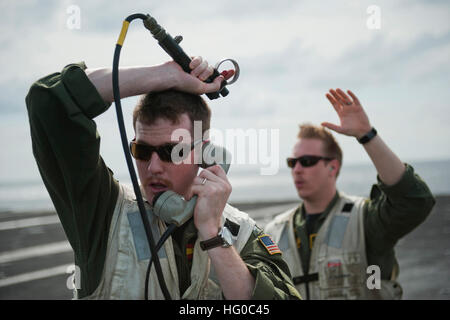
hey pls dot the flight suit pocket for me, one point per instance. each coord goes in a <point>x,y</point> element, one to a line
<point>340,276</point>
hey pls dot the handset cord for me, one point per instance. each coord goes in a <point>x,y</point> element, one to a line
<point>170,229</point>
<point>123,135</point>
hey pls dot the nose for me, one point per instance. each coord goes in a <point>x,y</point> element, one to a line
<point>298,167</point>
<point>155,164</point>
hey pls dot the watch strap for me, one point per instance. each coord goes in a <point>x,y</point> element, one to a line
<point>368,136</point>
<point>217,241</point>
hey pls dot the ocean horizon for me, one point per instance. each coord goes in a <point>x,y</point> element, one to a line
<point>247,182</point>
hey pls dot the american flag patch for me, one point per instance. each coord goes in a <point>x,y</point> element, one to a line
<point>268,243</point>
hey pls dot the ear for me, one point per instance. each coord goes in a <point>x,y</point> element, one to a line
<point>334,166</point>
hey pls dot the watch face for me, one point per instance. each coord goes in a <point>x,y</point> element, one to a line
<point>227,236</point>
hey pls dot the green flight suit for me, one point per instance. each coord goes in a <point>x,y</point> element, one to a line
<point>61,109</point>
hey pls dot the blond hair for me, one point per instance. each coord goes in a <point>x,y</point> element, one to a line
<point>330,146</point>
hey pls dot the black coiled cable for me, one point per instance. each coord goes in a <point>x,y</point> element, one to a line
<point>170,229</point>
<point>148,231</point>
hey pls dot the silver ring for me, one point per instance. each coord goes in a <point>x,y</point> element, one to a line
<point>236,70</point>
<point>349,103</point>
<point>204,181</point>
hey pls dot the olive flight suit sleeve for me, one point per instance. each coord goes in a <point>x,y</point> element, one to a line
<point>66,145</point>
<point>271,273</point>
<point>391,213</point>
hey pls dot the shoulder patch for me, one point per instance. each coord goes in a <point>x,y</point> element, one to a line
<point>268,243</point>
<point>257,231</point>
<point>375,192</point>
<point>348,207</point>
<point>232,226</point>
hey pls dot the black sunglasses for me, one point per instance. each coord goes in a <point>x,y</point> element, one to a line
<point>306,161</point>
<point>144,152</point>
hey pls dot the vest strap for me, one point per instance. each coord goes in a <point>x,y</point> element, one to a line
<point>306,278</point>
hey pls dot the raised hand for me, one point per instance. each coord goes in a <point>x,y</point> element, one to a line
<point>354,121</point>
<point>194,82</point>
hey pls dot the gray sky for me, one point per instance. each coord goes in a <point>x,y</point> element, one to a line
<point>290,53</point>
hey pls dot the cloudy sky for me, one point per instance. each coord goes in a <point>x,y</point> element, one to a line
<point>290,53</point>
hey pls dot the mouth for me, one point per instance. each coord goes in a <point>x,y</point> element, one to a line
<point>299,184</point>
<point>156,187</point>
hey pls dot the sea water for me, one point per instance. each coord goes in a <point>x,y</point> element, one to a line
<point>248,185</point>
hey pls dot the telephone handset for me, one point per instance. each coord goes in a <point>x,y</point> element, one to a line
<point>176,212</point>
<point>171,207</point>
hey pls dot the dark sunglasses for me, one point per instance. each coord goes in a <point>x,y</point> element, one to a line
<point>144,152</point>
<point>306,161</point>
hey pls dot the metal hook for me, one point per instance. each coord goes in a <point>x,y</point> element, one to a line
<point>236,69</point>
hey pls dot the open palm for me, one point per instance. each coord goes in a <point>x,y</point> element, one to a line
<point>354,121</point>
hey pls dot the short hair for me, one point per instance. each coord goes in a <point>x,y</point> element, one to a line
<point>330,146</point>
<point>170,105</point>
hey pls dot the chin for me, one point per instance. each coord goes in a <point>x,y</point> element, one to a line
<point>304,194</point>
<point>149,197</point>
<point>301,193</point>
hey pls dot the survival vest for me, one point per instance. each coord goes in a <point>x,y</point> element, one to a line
<point>338,263</point>
<point>128,255</point>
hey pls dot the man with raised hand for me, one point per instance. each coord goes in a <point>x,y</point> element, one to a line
<point>331,238</point>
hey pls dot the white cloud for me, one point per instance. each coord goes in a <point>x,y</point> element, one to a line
<point>290,53</point>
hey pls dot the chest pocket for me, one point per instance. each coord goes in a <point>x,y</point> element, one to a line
<point>336,231</point>
<point>341,276</point>
<point>141,247</point>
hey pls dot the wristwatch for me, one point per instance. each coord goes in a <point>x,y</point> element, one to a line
<point>224,239</point>
<point>368,136</point>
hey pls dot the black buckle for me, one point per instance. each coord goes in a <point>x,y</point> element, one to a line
<point>306,278</point>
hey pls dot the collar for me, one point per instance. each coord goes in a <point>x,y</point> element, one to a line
<point>301,209</point>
